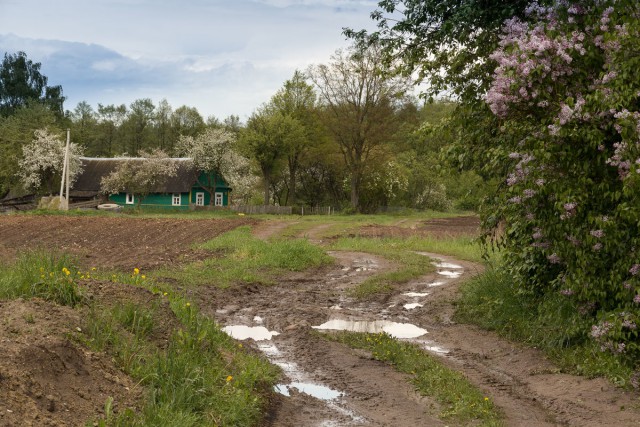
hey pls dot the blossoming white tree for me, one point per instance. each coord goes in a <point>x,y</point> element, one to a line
<point>140,175</point>
<point>213,151</point>
<point>40,168</point>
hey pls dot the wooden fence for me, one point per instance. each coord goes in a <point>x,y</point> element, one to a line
<point>283,210</point>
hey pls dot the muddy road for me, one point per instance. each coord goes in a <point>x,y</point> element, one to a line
<point>324,383</point>
<point>329,384</point>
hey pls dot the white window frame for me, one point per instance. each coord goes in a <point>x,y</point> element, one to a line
<point>130,199</point>
<point>199,199</point>
<point>219,199</point>
<point>176,199</point>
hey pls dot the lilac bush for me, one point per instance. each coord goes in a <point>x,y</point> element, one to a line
<point>567,93</point>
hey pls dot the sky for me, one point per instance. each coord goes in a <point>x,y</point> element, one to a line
<point>222,57</point>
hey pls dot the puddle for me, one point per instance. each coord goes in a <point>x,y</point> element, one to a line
<point>318,391</point>
<point>451,274</point>
<point>434,284</point>
<point>430,346</point>
<point>416,294</point>
<point>412,306</point>
<point>242,332</point>
<point>448,265</point>
<point>396,330</point>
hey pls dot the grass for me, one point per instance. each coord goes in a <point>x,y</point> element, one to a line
<point>202,378</point>
<point>39,274</point>
<point>242,258</point>
<point>493,302</point>
<point>459,400</point>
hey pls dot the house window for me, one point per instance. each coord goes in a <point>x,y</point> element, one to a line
<point>218,199</point>
<point>129,199</point>
<point>199,199</point>
<point>175,200</point>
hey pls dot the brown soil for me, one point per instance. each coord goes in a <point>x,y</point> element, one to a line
<point>47,379</point>
<point>112,242</point>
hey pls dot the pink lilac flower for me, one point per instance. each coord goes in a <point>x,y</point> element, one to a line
<point>597,246</point>
<point>628,324</point>
<point>566,292</point>
<point>636,299</point>
<point>597,233</point>
<point>635,269</point>
<point>554,258</point>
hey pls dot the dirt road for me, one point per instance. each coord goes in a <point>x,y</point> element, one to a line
<point>325,383</point>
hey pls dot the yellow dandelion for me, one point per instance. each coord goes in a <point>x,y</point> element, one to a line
<point>486,399</point>
<point>188,304</point>
<point>136,271</point>
<point>164,293</point>
<point>229,378</point>
<point>143,276</point>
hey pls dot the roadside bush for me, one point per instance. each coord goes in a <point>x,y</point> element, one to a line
<point>568,104</point>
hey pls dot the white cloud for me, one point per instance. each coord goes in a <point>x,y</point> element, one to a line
<point>222,57</point>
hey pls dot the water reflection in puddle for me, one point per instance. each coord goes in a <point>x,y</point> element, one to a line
<point>451,274</point>
<point>434,284</point>
<point>416,294</point>
<point>412,306</point>
<point>397,330</point>
<point>318,391</point>
<point>242,332</point>
<point>448,265</point>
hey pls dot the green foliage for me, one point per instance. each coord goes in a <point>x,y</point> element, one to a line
<point>446,42</point>
<point>202,378</point>
<point>21,83</point>
<point>42,275</point>
<point>460,401</point>
<point>247,259</point>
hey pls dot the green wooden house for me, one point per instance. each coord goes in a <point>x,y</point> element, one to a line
<point>188,189</point>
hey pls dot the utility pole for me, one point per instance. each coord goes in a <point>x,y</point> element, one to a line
<point>64,202</point>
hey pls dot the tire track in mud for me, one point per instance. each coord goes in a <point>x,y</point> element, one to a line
<point>519,380</point>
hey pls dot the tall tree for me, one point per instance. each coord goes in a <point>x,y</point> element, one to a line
<point>138,124</point>
<point>164,138</point>
<point>187,121</point>
<point>21,82</point>
<point>110,118</point>
<point>298,100</point>
<point>84,126</point>
<point>359,103</point>
<point>267,139</point>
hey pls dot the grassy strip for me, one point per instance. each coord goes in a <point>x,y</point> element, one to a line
<point>246,259</point>
<point>202,378</point>
<point>39,274</point>
<point>460,400</point>
<point>551,324</point>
